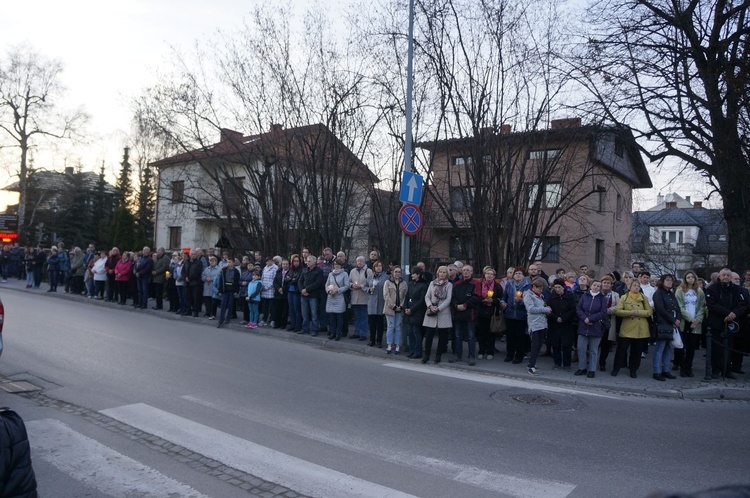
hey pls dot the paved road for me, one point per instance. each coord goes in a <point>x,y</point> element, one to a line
<point>133,404</point>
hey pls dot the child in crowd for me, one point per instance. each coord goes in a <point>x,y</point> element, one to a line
<point>253,300</point>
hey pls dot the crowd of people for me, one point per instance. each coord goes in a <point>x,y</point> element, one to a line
<point>576,316</point>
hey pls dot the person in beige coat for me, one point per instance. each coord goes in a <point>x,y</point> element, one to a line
<point>394,299</point>
<point>359,297</point>
<point>438,317</point>
<point>635,329</point>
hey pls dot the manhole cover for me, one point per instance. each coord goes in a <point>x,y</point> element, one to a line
<point>533,399</point>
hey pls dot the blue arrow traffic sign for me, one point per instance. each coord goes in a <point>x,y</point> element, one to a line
<point>411,188</point>
<point>410,219</point>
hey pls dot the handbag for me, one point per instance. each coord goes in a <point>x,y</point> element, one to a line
<point>497,324</point>
<point>677,340</point>
<point>665,332</point>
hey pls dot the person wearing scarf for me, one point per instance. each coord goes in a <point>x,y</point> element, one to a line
<point>438,317</point>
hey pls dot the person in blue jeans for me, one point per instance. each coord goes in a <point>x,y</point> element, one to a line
<point>359,298</point>
<point>228,286</point>
<point>143,269</point>
<point>311,288</point>
<point>666,312</point>
<point>291,287</point>
<point>254,289</point>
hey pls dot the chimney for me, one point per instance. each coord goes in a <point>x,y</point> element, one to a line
<point>697,204</point>
<point>505,129</point>
<point>687,199</point>
<point>659,199</point>
<point>557,124</point>
<point>487,131</point>
<point>276,128</point>
<point>69,170</point>
<point>228,135</point>
<point>670,205</point>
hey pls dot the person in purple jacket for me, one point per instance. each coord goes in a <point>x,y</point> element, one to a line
<point>591,309</point>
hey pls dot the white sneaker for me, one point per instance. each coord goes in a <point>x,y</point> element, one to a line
<point>489,356</point>
<point>480,357</point>
<point>533,371</point>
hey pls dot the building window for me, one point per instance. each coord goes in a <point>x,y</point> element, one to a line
<point>545,249</point>
<point>462,160</point>
<point>550,199</point>
<point>619,147</point>
<point>542,154</point>
<point>672,237</point>
<point>620,207</point>
<point>461,247</point>
<point>462,199</point>
<point>599,256</point>
<point>600,196</point>
<point>175,237</point>
<point>178,191</point>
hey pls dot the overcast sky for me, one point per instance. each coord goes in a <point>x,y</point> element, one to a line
<point>110,49</point>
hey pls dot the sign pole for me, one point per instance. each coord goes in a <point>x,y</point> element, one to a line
<point>407,147</point>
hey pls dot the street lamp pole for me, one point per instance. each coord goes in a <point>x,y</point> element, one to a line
<point>408,139</point>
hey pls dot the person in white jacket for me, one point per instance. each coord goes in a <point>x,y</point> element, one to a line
<point>100,275</point>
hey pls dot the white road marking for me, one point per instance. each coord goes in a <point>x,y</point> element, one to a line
<point>294,473</point>
<point>498,381</point>
<point>513,485</point>
<point>99,466</point>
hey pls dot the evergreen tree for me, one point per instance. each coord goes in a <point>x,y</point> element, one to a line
<point>75,217</point>
<point>146,205</point>
<point>123,222</point>
<point>103,211</point>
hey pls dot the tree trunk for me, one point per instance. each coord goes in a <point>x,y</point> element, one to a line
<point>733,179</point>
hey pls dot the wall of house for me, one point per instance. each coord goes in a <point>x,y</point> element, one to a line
<point>579,228</point>
<point>204,230</point>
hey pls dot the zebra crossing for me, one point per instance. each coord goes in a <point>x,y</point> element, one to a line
<point>112,473</point>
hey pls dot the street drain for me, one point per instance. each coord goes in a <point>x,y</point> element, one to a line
<point>533,399</point>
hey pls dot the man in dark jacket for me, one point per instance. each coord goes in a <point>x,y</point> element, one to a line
<point>464,303</point>
<point>311,284</point>
<point>158,277</point>
<point>143,270</point>
<point>229,287</point>
<point>726,303</point>
<point>414,310</point>
<point>16,473</point>
<point>561,323</point>
<point>194,282</point>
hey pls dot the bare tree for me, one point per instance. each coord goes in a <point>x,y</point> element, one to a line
<point>30,90</point>
<point>482,69</point>
<point>299,183</point>
<point>681,71</point>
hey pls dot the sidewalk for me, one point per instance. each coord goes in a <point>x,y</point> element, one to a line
<point>686,388</point>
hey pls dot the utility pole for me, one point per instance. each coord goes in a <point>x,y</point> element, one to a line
<point>407,146</point>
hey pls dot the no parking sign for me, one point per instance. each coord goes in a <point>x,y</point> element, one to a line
<point>410,219</point>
